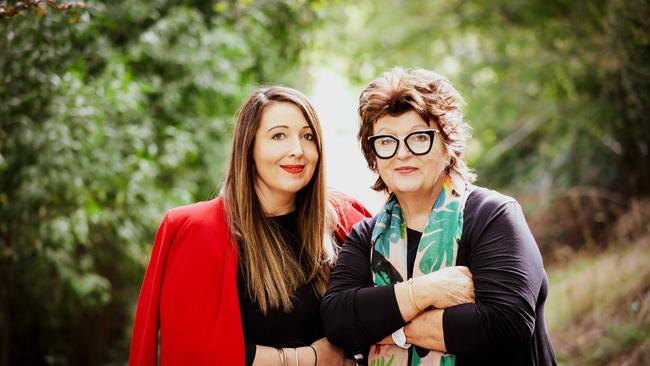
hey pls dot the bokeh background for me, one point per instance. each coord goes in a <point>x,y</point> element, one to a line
<point>112,112</point>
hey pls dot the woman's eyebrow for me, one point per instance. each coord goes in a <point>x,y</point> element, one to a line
<point>385,130</point>
<point>277,126</point>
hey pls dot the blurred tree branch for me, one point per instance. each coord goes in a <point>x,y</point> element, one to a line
<point>39,6</point>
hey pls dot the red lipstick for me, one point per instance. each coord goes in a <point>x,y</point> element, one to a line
<point>293,169</point>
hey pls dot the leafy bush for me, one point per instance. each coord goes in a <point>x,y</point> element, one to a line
<point>109,115</point>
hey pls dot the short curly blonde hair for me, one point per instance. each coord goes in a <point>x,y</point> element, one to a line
<point>429,94</point>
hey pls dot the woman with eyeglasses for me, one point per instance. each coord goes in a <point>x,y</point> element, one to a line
<point>447,273</point>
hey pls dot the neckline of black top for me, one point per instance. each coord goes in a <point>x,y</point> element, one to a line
<point>413,240</point>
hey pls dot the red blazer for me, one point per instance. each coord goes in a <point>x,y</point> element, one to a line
<point>189,290</point>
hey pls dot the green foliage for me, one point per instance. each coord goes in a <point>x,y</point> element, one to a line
<point>114,112</point>
<point>110,115</point>
<point>558,92</point>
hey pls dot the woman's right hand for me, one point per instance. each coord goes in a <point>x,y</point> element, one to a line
<point>448,287</point>
<point>327,353</point>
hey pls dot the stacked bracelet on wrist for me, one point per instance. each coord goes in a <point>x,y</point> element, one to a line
<point>410,286</point>
<point>285,362</point>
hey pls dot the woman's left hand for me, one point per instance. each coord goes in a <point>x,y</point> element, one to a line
<point>425,330</point>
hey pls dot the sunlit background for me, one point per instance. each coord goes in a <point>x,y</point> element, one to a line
<point>112,112</point>
<point>336,102</point>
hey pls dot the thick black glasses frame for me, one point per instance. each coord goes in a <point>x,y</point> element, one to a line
<point>431,133</point>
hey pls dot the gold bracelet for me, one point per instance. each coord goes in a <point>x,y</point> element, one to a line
<point>410,285</point>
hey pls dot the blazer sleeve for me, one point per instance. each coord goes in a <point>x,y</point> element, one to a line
<point>144,342</point>
<point>189,294</point>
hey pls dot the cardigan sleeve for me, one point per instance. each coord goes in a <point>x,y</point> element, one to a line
<point>144,343</point>
<point>355,314</point>
<point>508,274</point>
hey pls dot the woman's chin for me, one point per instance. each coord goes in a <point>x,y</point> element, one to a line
<point>408,189</point>
<point>292,185</point>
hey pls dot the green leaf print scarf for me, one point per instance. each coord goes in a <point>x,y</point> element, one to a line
<point>437,249</point>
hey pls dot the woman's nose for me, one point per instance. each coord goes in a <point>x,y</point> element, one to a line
<point>403,151</point>
<point>296,148</point>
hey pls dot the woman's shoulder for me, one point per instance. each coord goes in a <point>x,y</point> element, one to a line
<point>349,211</point>
<point>345,204</point>
<point>487,200</point>
<point>487,209</point>
<point>364,227</point>
<point>197,214</point>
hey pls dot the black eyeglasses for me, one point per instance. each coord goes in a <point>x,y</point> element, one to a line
<point>418,143</point>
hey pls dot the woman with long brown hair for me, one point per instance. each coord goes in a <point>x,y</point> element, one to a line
<point>238,279</point>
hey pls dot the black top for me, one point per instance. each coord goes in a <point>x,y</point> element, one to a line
<point>300,327</point>
<point>506,324</point>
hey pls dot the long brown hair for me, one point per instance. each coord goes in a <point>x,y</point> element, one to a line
<point>273,274</point>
